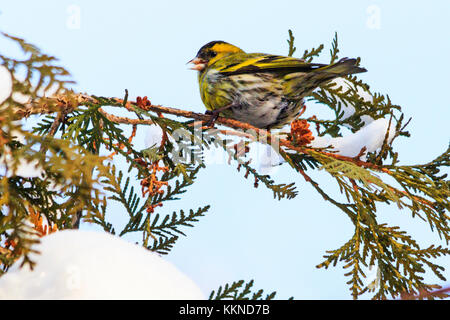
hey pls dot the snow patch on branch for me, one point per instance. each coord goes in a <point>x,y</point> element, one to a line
<point>371,136</point>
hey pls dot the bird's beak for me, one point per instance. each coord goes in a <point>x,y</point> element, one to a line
<point>199,64</point>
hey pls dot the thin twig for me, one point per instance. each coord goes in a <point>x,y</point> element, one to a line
<point>125,120</point>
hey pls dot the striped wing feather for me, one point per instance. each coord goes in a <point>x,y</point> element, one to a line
<point>254,63</point>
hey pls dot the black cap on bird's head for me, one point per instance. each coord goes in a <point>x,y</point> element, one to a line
<point>211,52</point>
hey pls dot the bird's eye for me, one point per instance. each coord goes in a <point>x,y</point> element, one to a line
<point>213,54</point>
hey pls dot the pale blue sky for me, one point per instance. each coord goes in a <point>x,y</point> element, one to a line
<point>144,46</point>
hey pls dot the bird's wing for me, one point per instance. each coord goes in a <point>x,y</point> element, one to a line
<point>253,63</point>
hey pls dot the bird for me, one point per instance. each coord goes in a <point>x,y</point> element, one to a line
<point>266,91</point>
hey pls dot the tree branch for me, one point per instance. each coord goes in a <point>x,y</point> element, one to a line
<point>63,103</point>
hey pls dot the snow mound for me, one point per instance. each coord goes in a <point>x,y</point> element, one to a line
<point>77,264</point>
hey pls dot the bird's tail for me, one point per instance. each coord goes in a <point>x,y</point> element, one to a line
<point>301,85</point>
<point>343,67</point>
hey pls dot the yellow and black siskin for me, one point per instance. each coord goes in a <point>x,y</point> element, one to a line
<point>263,90</point>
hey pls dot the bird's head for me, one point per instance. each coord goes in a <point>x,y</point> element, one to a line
<point>211,52</point>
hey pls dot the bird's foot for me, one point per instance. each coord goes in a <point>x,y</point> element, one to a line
<point>215,114</point>
<point>212,120</point>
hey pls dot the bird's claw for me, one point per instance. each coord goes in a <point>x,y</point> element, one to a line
<point>212,121</point>
<point>215,114</point>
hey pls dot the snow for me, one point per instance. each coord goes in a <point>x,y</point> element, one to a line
<point>76,264</point>
<point>154,136</point>
<point>5,84</point>
<point>371,136</point>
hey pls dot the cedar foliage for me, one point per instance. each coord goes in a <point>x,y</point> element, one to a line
<point>72,145</point>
